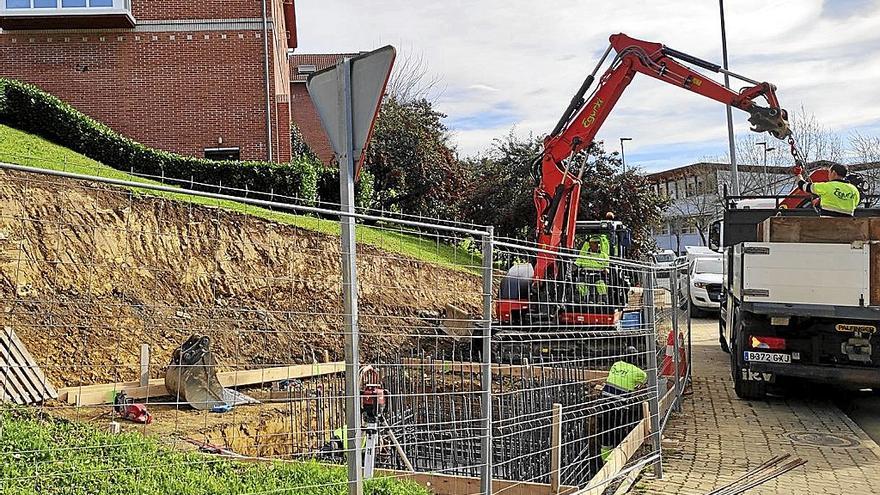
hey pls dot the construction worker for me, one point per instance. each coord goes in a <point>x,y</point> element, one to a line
<point>594,257</point>
<point>837,197</point>
<point>623,378</point>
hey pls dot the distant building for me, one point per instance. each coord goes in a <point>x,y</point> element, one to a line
<point>303,113</point>
<point>696,190</point>
<point>197,78</point>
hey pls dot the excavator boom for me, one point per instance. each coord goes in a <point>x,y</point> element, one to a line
<point>557,194</point>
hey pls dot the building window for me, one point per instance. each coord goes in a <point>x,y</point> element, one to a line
<point>681,188</point>
<point>223,153</point>
<point>64,4</point>
<point>306,69</point>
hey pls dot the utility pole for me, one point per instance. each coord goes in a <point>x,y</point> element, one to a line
<point>766,175</point>
<point>734,173</point>
<point>622,155</point>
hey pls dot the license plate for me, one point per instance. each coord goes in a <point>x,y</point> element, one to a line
<point>767,357</point>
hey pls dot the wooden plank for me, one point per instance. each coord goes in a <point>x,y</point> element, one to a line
<point>444,484</point>
<point>19,367</point>
<point>11,386</point>
<point>37,376</point>
<point>266,375</point>
<point>617,459</point>
<point>103,394</point>
<point>874,227</point>
<point>621,454</point>
<point>830,230</point>
<point>145,365</point>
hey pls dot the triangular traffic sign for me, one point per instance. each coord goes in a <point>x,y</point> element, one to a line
<point>369,76</point>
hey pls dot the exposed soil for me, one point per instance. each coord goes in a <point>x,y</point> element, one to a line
<point>88,273</point>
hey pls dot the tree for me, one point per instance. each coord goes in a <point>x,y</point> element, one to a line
<point>866,153</point>
<point>410,81</point>
<point>815,141</point>
<point>414,167</point>
<point>503,185</point>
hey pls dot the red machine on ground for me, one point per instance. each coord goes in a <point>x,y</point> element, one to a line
<point>531,298</point>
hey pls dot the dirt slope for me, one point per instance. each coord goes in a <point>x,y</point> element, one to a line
<point>88,273</point>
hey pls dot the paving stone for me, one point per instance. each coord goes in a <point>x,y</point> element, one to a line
<point>720,437</point>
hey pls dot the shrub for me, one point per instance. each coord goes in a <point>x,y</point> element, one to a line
<point>30,109</point>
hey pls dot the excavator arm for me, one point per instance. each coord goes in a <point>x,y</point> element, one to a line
<point>557,194</point>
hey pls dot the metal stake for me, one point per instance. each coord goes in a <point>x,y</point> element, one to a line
<point>349,288</point>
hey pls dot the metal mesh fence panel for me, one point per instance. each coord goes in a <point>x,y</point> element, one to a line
<point>157,337</point>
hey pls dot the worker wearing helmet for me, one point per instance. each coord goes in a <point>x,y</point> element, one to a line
<point>594,256</point>
<point>837,198</point>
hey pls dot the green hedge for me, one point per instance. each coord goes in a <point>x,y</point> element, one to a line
<point>30,109</point>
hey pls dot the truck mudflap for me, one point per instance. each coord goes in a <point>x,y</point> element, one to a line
<point>849,375</point>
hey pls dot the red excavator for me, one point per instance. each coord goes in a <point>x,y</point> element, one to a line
<point>540,294</point>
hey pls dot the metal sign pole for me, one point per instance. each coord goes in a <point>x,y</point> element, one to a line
<point>349,284</point>
<point>486,380</point>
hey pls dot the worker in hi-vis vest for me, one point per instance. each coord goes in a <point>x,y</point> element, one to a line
<point>837,198</point>
<point>594,257</point>
<point>623,378</point>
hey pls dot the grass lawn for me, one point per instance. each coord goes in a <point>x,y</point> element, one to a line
<point>22,148</point>
<point>47,456</point>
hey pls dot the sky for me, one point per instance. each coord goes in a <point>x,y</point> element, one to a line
<point>507,65</point>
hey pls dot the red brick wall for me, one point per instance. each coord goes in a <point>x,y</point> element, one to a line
<point>304,115</point>
<point>204,9</point>
<point>282,131</point>
<point>175,91</point>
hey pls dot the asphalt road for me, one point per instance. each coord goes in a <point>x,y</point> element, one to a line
<point>863,407</point>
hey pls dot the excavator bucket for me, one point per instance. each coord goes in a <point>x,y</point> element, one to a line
<point>192,376</point>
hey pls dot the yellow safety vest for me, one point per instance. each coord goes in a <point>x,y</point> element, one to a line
<point>595,261</point>
<point>836,196</point>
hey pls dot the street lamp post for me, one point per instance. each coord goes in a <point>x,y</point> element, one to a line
<point>622,155</point>
<point>766,175</point>
<point>734,172</point>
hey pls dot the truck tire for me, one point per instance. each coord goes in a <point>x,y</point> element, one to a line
<point>745,389</point>
<point>696,312</point>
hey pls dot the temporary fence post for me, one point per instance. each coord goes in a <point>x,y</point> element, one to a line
<point>690,360</point>
<point>673,281</point>
<point>556,448</point>
<point>649,324</point>
<point>349,287</point>
<point>486,392</point>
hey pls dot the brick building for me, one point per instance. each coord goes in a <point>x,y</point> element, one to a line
<point>202,78</point>
<point>303,112</point>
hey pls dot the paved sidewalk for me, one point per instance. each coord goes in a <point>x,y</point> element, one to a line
<point>718,437</point>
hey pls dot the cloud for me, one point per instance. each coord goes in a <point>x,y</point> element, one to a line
<point>518,62</point>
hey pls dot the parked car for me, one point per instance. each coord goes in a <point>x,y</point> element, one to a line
<point>706,277</point>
